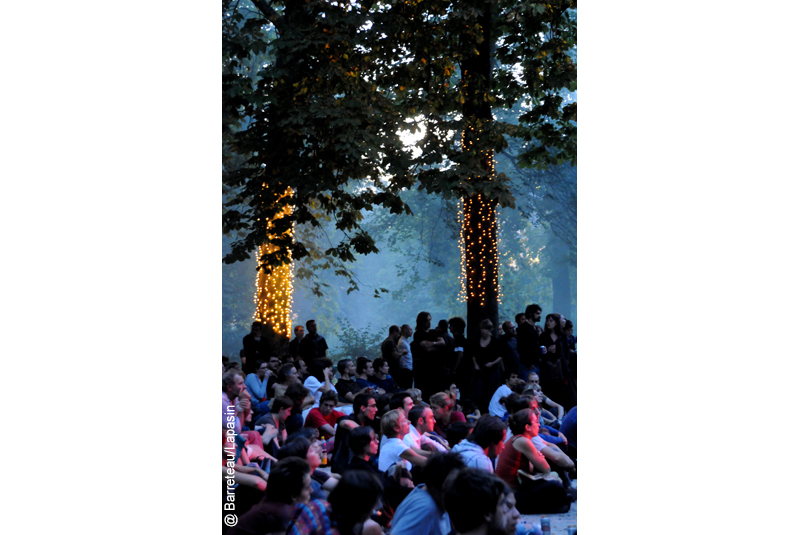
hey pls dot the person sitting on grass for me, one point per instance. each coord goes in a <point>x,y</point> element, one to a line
<point>381,377</point>
<point>395,426</point>
<point>480,503</point>
<point>324,418</point>
<point>484,443</point>
<point>364,376</point>
<point>520,460</point>
<point>289,485</point>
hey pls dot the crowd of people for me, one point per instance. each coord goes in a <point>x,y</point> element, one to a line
<point>440,434</point>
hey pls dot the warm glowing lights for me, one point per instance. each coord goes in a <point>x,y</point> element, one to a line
<point>273,296</point>
<point>478,242</point>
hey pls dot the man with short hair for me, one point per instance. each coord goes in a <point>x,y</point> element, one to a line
<point>313,345</point>
<point>422,512</point>
<point>508,340</point>
<point>381,377</point>
<point>390,352</point>
<point>233,410</point>
<point>505,390</point>
<point>422,423</point>
<point>484,443</point>
<point>324,418</point>
<point>405,369</point>
<point>346,386</point>
<point>364,410</point>
<point>294,345</point>
<point>364,374</point>
<point>480,503</point>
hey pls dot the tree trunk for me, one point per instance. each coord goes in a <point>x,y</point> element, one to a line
<point>480,219</point>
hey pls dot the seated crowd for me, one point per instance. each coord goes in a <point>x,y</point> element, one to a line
<point>307,454</point>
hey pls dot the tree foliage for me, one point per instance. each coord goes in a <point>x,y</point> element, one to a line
<point>340,81</point>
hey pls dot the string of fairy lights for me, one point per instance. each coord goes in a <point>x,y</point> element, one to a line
<point>479,261</point>
<point>274,291</point>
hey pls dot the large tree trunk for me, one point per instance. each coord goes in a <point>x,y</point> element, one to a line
<point>480,219</point>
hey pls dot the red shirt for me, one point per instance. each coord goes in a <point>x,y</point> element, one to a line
<point>316,420</point>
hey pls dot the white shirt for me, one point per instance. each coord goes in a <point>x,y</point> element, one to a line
<point>313,384</point>
<point>414,439</point>
<point>390,454</point>
<point>495,408</point>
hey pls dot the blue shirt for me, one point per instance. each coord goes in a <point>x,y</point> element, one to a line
<point>417,514</point>
<point>256,387</point>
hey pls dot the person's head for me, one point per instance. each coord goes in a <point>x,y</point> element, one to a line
<point>287,374</point>
<point>510,376</point>
<point>489,432</point>
<point>394,332</point>
<point>422,419</point>
<point>533,378</point>
<point>486,327</point>
<point>365,404</point>
<point>457,325</point>
<point>363,441</point>
<point>273,363</point>
<point>416,395</point>
<point>561,321</point>
<point>304,449</point>
<point>282,406</point>
<point>232,365</point>
<point>380,366</point>
<point>552,323</point>
<point>472,498</point>
<point>318,367</point>
<point>346,367</point>
<point>290,481</point>
<point>299,332</point>
<point>523,421</point>
<point>255,328</point>
<point>302,369</point>
<point>311,325</point>
<point>515,402</point>
<point>297,393</point>
<point>568,327</point>
<point>233,383</point>
<point>261,369</point>
<point>401,400</point>
<point>406,330</point>
<point>327,402</point>
<point>442,404</point>
<point>364,365</point>
<point>442,326</point>
<point>458,431</point>
<point>533,313</point>
<point>353,499</point>
<point>509,328</point>
<point>438,467</point>
<point>394,424</point>
<point>520,318</point>
<point>423,321</point>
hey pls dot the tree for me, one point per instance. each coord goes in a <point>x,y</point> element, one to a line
<point>348,78</point>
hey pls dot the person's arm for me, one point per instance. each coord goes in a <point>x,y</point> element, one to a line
<point>527,448</point>
<point>348,424</point>
<point>248,480</point>
<point>327,429</point>
<point>327,385</point>
<point>371,528</point>
<point>557,457</point>
<point>413,457</point>
<point>330,484</point>
<point>308,401</point>
<point>553,405</point>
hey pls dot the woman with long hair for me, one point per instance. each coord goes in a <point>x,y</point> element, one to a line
<point>551,370</point>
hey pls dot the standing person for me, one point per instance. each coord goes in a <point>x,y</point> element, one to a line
<point>428,347</point>
<point>390,351</point>
<point>528,344</point>
<point>405,373</point>
<point>551,369</point>
<point>423,512</point>
<point>508,340</point>
<point>313,345</point>
<point>463,369</point>
<point>294,345</point>
<point>449,355</point>
<point>251,344</point>
<point>480,503</point>
<point>487,356</point>
<point>533,497</point>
